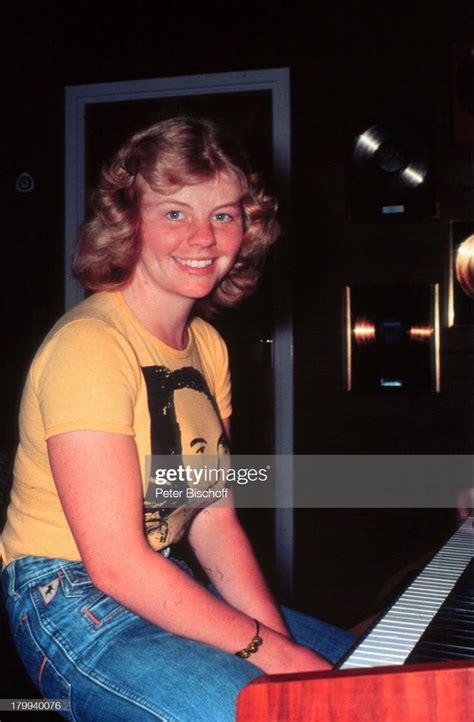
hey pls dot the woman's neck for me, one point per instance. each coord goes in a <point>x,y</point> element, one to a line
<point>164,317</point>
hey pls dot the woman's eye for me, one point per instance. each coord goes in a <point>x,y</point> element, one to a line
<point>175,215</point>
<point>222,217</point>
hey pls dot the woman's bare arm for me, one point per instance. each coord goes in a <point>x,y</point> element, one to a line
<point>225,553</point>
<point>98,481</point>
<point>216,537</point>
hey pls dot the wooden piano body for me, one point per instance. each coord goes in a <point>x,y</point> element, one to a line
<point>432,692</point>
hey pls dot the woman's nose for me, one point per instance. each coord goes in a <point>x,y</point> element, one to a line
<point>202,235</point>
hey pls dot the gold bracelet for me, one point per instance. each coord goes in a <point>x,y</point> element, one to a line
<point>256,642</point>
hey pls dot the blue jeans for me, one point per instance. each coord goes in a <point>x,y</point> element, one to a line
<point>79,644</point>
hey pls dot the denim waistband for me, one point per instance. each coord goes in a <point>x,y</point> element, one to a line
<point>29,570</point>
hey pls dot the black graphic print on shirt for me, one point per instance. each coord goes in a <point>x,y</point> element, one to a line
<point>184,422</point>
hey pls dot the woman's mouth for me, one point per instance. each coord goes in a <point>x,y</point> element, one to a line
<point>194,262</point>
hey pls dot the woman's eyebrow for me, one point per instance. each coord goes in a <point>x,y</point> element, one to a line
<point>234,203</point>
<point>167,200</point>
<point>197,440</point>
<point>230,204</point>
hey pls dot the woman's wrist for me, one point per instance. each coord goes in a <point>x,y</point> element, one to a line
<point>279,654</point>
<point>254,644</point>
<point>272,652</point>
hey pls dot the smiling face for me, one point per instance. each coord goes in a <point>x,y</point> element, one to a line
<point>190,238</point>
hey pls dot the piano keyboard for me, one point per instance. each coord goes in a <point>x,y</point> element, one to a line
<point>394,637</point>
<point>450,635</point>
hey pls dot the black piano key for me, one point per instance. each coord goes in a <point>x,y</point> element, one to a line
<point>461,622</point>
<point>439,657</point>
<point>445,626</point>
<point>463,643</point>
<point>450,635</point>
<point>447,647</point>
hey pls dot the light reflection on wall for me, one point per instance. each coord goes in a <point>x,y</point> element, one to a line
<point>421,333</point>
<point>364,331</point>
<point>465,266</point>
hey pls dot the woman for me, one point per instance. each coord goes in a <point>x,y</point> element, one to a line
<point>100,618</point>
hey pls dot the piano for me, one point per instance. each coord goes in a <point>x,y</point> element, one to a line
<point>415,665</point>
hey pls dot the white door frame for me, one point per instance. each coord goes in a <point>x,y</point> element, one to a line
<point>277,80</point>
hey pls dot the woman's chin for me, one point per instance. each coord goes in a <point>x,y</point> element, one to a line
<point>200,290</point>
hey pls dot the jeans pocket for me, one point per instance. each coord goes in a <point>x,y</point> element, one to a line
<point>40,668</point>
<point>102,610</point>
<point>95,606</point>
<point>75,581</point>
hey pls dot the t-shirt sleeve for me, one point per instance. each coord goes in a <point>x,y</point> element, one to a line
<point>223,385</point>
<point>86,377</point>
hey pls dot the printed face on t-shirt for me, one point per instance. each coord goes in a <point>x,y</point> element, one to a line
<point>201,431</point>
<point>186,431</point>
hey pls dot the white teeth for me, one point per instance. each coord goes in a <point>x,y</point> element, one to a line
<point>194,263</point>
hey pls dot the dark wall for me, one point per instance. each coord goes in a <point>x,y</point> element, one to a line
<point>392,64</point>
<point>348,65</point>
<point>351,63</point>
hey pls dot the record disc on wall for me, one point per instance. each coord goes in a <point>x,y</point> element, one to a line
<point>391,172</point>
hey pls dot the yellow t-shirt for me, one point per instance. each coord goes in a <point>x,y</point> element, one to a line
<point>100,369</point>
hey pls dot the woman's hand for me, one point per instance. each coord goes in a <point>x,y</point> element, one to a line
<point>304,659</point>
<point>280,655</point>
